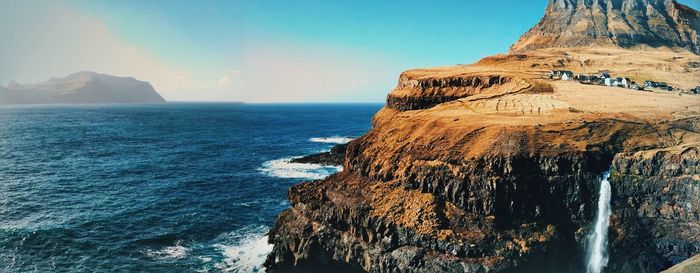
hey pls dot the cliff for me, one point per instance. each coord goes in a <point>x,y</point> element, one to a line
<point>494,167</point>
<point>81,87</point>
<point>625,23</point>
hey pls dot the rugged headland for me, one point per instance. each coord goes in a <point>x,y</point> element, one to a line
<point>81,87</point>
<point>495,167</point>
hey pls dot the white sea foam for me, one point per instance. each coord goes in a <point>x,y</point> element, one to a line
<point>247,255</point>
<point>284,168</point>
<point>333,139</point>
<point>170,252</point>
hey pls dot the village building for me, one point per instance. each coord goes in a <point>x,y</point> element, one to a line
<point>622,82</point>
<point>608,81</point>
<point>651,84</point>
<point>555,74</point>
<point>626,82</point>
<point>567,75</point>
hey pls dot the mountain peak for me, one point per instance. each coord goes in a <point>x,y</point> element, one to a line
<point>13,84</point>
<point>81,87</point>
<point>622,23</point>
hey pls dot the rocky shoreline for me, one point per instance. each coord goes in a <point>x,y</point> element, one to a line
<point>334,157</point>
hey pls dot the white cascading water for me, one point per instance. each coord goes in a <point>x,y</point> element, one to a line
<point>597,246</point>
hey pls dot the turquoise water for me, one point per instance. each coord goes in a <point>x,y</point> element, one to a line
<point>155,188</point>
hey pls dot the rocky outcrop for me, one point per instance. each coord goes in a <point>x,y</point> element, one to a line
<point>81,87</point>
<point>358,225</point>
<point>417,91</point>
<point>624,23</point>
<point>334,157</point>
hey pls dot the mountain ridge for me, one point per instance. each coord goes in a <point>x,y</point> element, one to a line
<point>617,23</point>
<point>81,87</point>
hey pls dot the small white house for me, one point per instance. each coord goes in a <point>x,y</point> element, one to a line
<point>622,82</point>
<point>567,75</point>
<point>628,83</point>
<point>609,81</point>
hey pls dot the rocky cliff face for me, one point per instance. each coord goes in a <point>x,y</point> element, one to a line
<point>625,23</point>
<point>445,203</point>
<point>493,167</point>
<point>81,87</point>
<point>657,217</point>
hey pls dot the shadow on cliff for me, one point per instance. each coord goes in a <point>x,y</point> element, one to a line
<point>564,257</point>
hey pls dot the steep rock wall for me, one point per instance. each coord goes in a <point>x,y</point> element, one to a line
<point>415,92</point>
<point>656,221</point>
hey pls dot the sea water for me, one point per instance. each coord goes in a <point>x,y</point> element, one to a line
<point>155,188</point>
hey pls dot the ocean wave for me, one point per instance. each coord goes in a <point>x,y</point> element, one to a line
<point>284,168</point>
<point>247,254</point>
<point>170,252</point>
<point>333,139</point>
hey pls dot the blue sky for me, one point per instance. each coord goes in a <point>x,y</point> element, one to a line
<point>267,50</point>
<point>415,32</point>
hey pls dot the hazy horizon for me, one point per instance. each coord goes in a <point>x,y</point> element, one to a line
<point>256,51</point>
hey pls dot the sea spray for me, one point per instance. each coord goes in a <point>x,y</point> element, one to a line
<point>286,169</point>
<point>331,140</point>
<point>597,246</point>
<point>244,250</point>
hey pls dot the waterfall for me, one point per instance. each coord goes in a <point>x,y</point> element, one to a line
<point>597,245</point>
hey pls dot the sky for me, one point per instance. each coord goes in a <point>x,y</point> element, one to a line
<point>256,50</point>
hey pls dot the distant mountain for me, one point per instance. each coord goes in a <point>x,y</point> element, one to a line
<point>623,23</point>
<point>81,87</point>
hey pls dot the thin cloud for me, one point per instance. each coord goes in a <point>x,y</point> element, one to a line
<point>228,79</point>
<point>279,72</point>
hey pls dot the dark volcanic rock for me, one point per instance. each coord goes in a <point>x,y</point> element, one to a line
<point>334,157</point>
<point>330,227</point>
<point>656,221</point>
<point>421,208</point>
<point>625,23</point>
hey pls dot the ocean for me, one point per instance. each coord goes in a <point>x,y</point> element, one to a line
<point>179,187</point>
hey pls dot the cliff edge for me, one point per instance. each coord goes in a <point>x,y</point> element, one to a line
<point>495,167</point>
